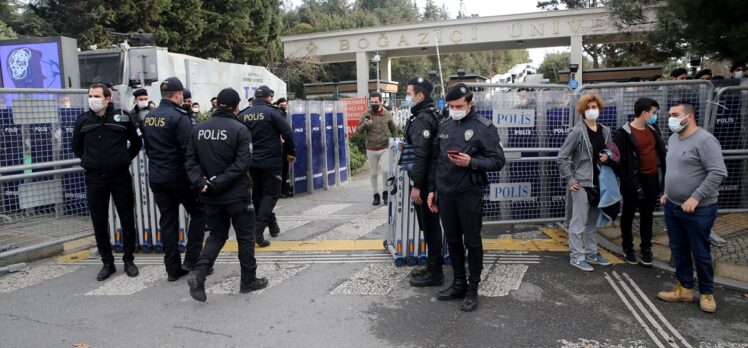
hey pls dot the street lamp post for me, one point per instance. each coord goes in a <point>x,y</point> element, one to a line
<point>376,59</point>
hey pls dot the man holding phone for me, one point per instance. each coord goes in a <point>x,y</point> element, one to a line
<point>467,148</point>
<point>378,126</point>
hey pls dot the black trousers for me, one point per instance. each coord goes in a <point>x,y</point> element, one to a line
<point>99,187</point>
<point>284,169</point>
<point>631,202</point>
<point>432,230</point>
<point>266,184</point>
<point>220,217</point>
<point>462,218</point>
<point>168,197</point>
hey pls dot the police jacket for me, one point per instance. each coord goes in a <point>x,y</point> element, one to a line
<point>166,131</point>
<point>138,115</point>
<point>267,124</point>
<point>420,133</point>
<point>102,142</point>
<point>475,136</point>
<point>628,166</point>
<point>218,155</point>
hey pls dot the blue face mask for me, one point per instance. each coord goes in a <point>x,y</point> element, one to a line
<point>409,101</point>
<point>652,120</point>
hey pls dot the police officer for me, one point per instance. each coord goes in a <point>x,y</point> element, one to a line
<point>141,105</point>
<point>286,189</point>
<point>467,147</point>
<point>267,124</point>
<point>100,140</point>
<point>166,131</point>
<point>187,106</point>
<point>218,159</point>
<point>420,132</point>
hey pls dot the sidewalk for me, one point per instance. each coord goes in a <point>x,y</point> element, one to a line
<point>730,259</point>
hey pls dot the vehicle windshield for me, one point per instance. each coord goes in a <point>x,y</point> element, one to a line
<point>102,68</point>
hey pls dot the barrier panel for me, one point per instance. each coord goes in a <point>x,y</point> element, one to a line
<point>301,177</point>
<point>728,124</point>
<point>42,188</point>
<point>316,150</point>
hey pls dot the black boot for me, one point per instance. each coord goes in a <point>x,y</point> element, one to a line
<point>131,270</point>
<point>376,199</point>
<point>454,291</point>
<point>470,303</point>
<point>434,276</point>
<point>384,197</point>
<point>175,276</point>
<point>274,228</point>
<point>106,271</point>
<point>418,272</point>
<point>196,281</point>
<point>252,285</point>
<point>262,243</point>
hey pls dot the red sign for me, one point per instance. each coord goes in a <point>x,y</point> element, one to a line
<point>354,108</point>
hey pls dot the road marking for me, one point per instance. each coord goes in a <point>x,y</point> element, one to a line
<point>33,276</point>
<point>656,311</point>
<point>288,225</point>
<point>585,343</point>
<point>374,279</point>
<point>631,309</point>
<point>499,279</point>
<point>325,209</point>
<point>74,257</point>
<point>644,310</point>
<point>275,273</point>
<point>313,245</point>
<point>353,229</point>
<point>124,285</point>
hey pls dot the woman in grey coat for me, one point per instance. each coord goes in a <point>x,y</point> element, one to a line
<point>578,161</point>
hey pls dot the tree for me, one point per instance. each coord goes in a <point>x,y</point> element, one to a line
<point>555,62</point>
<point>609,55</point>
<point>715,28</point>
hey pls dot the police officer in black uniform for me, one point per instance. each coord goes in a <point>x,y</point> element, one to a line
<point>267,124</point>
<point>106,140</point>
<point>420,133</point>
<point>166,132</point>
<point>218,161</point>
<point>467,148</point>
<point>141,106</point>
<point>187,106</point>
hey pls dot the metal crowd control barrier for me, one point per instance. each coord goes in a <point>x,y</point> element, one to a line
<point>42,188</point>
<point>321,145</point>
<point>532,121</point>
<point>728,124</point>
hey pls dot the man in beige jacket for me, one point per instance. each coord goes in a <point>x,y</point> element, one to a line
<point>378,126</point>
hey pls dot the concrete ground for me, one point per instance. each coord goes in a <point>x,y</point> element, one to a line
<point>331,285</point>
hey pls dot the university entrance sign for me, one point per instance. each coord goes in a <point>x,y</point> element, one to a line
<point>531,30</point>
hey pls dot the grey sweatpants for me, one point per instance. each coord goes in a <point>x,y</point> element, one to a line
<point>582,227</point>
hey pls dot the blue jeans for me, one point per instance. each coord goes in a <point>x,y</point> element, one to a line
<point>689,244</point>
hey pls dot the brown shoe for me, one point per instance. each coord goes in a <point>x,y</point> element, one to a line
<point>707,303</point>
<point>677,294</point>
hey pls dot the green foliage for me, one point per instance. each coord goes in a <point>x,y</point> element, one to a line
<point>357,158</point>
<point>555,62</point>
<point>358,140</point>
<point>716,28</point>
<point>6,32</point>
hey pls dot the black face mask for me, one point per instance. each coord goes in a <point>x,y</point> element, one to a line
<point>187,107</point>
<point>375,107</point>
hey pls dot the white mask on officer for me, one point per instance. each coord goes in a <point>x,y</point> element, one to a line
<point>457,114</point>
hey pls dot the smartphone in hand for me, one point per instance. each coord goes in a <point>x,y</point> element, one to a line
<point>453,152</point>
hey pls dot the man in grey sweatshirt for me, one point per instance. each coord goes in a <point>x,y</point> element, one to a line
<point>696,169</point>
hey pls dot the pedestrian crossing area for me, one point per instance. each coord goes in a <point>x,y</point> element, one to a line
<point>364,274</point>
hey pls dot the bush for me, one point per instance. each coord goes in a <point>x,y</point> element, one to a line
<point>358,140</point>
<point>357,157</point>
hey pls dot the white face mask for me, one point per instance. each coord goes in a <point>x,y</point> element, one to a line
<point>195,109</point>
<point>592,114</point>
<point>142,104</point>
<point>96,104</point>
<point>457,114</point>
<point>739,74</point>
<point>675,125</point>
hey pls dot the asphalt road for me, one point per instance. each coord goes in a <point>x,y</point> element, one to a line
<point>357,298</point>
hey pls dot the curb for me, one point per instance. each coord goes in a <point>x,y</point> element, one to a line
<point>663,266</point>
